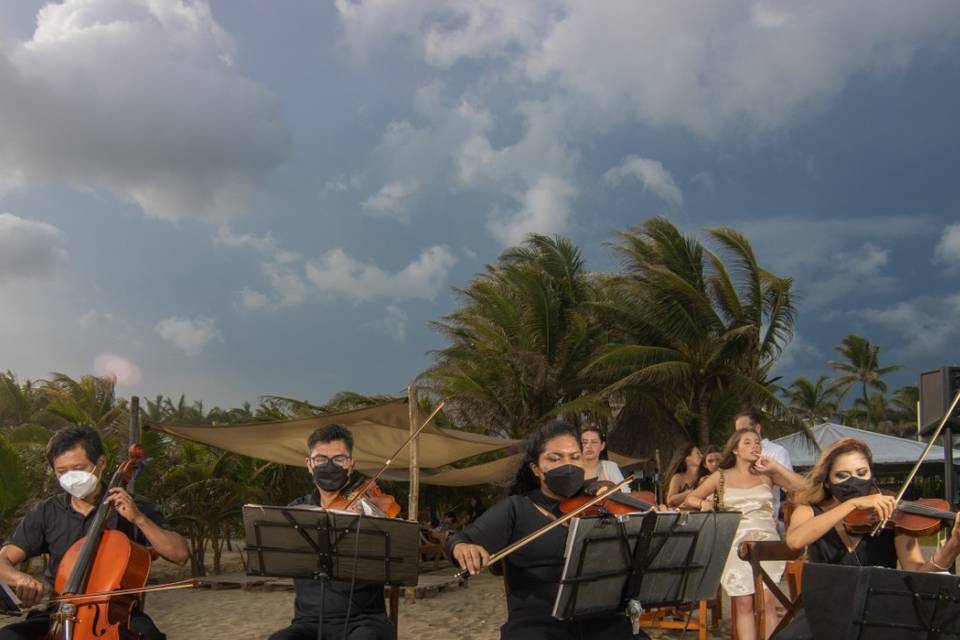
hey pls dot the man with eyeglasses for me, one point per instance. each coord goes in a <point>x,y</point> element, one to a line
<point>330,463</point>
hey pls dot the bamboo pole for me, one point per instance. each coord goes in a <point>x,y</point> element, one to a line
<point>413,501</point>
<point>134,430</point>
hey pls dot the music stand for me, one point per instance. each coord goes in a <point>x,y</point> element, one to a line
<point>9,603</point>
<point>880,604</point>
<point>656,559</point>
<point>323,545</point>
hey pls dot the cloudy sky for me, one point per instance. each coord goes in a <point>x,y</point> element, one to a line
<point>237,197</point>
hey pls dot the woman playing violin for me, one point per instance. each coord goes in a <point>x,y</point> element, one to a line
<point>551,470</point>
<point>841,483</point>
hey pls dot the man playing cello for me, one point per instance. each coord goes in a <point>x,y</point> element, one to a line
<point>75,454</point>
<point>351,611</point>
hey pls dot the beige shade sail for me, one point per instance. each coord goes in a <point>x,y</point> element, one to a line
<point>499,472</point>
<point>377,431</point>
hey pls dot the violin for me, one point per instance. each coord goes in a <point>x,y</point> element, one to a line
<point>370,493</point>
<point>102,562</point>
<point>915,518</point>
<point>616,503</point>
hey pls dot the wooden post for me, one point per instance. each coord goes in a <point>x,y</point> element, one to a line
<point>413,501</point>
<point>134,428</point>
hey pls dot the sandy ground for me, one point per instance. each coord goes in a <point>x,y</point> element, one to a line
<point>473,612</point>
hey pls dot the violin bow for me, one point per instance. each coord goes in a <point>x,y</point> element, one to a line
<point>530,537</point>
<point>369,483</point>
<point>84,597</point>
<point>916,467</point>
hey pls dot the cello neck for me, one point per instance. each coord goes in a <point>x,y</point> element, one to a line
<point>78,577</point>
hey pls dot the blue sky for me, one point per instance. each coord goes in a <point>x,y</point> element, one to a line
<point>237,198</point>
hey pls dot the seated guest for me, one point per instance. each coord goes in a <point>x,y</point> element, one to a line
<point>596,460</point>
<point>75,453</point>
<point>685,475</point>
<point>353,611</point>
<point>711,460</point>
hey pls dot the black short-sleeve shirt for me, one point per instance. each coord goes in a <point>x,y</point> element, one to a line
<point>52,526</point>
<point>339,597</point>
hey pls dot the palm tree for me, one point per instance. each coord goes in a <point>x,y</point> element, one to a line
<point>694,334</point>
<point>15,488</point>
<point>812,402</point>
<point>519,340</point>
<point>21,403</point>
<point>862,366</point>
<point>90,400</point>
<point>872,413</point>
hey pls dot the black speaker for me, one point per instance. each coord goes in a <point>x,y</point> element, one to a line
<point>937,390</point>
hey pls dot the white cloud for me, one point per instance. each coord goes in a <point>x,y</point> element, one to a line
<point>704,180</point>
<point>830,259</point>
<point>190,336</point>
<point>394,324</point>
<point>121,369</point>
<point>926,325</point>
<point>651,175</point>
<point>750,64</point>
<point>392,198</point>
<point>799,354</point>
<point>251,300</point>
<point>29,249</point>
<point>265,244</point>
<point>546,209</point>
<point>947,251</point>
<point>139,99</point>
<point>338,272</point>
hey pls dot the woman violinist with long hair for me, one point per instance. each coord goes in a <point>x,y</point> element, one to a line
<point>840,483</point>
<point>551,471</point>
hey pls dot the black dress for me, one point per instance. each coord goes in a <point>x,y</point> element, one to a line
<point>871,551</point>
<point>532,574</point>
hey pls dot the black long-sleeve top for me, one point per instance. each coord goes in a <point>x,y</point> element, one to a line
<point>533,572</point>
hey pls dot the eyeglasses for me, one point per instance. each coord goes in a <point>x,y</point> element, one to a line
<point>321,460</point>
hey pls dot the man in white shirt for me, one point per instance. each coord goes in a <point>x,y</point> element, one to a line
<point>750,419</point>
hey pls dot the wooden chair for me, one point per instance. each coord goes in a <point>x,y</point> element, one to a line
<point>431,549</point>
<point>676,618</point>
<point>756,552</point>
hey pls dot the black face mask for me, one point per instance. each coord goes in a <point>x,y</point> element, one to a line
<point>852,487</point>
<point>330,476</point>
<point>564,481</point>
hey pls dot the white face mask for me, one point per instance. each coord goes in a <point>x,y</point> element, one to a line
<point>79,484</point>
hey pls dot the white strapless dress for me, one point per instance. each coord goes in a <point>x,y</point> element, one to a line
<point>756,505</point>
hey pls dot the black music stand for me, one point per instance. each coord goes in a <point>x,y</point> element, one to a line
<point>324,545</point>
<point>651,559</point>
<point>9,603</point>
<point>880,604</point>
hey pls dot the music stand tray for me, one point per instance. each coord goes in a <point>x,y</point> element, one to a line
<point>657,559</point>
<point>309,542</point>
<point>880,604</point>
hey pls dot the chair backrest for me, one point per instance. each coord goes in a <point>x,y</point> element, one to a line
<point>756,552</point>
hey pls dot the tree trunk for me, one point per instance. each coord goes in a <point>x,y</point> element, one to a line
<point>866,407</point>
<point>703,422</point>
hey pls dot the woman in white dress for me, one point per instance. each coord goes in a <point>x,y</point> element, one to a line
<point>744,482</point>
<point>595,462</point>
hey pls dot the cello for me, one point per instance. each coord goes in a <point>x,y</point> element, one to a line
<point>101,562</point>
